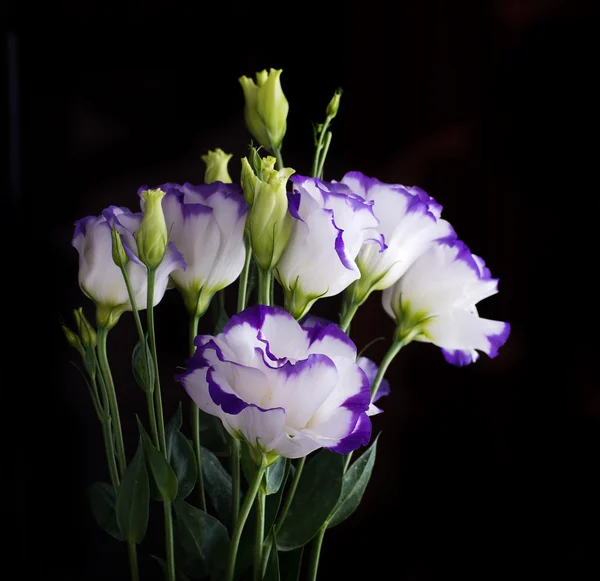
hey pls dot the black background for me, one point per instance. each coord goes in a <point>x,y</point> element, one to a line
<point>485,472</point>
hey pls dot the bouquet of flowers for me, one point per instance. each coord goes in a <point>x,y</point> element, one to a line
<point>281,445</point>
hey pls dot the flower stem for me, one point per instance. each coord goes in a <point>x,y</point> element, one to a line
<point>241,521</point>
<point>195,412</point>
<point>290,496</point>
<point>169,544</point>
<point>235,480</point>
<point>243,284</point>
<point>277,152</point>
<point>142,337</point>
<point>348,315</point>
<point>110,453</point>
<point>317,543</point>
<point>112,398</point>
<point>133,564</point>
<point>324,155</point>
<point>260,535</point>
<point>264,287</point>
<point>317,158</point>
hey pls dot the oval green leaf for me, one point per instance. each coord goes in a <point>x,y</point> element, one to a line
<point>354,484</point>
<point>319,488</point>
<point>275,474</point>
<point>102,500</point>
<point>143,376</point>
<point>133,499</point>
<point>201,537</point>
<point>181,455</point>
<point>217,485</point>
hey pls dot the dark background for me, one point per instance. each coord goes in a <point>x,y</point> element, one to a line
<point>485,472</point>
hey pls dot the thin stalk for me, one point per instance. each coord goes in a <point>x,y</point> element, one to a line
<point>320,143</point>
<point>290,495</point>
<point>277,153</point>
<point>112,398</point>
<point>264,287</point>
<point>110,454</point>
<point>195,412</point>
<point>169,544</point>
<point>239,525</point>
<point>348,315</point>
<point>133,564</point>
<point>243,284</point>
<point>259,535</point>
<point>235,480</point>
<point>315,554</point>
<point>142,338</point>
<point>324,155</point>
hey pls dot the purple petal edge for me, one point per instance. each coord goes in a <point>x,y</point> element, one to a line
<point>496,341</point>
<point>360,436</point>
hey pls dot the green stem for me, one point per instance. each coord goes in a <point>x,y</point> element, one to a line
<point>239,525</point>
<point>260,535</point>
<point>133,564</point>
<point>317,158</point>
<point>264,287</point>
<point>195,412</point>
<point>142,338</point>
<point>110,454</point>
<point>348,315</point>
<point>169,544</point>
<point>290,496</point>
<point>243,284</point>
<point>112,398</point>
<point>235,480</point>
<point>324,155</point>
<point>387,359</point>
<point>317,543</point>
<point>277,153</point>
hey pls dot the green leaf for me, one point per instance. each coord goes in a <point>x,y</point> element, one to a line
<point>102,500</point>
<point>290,563</point>
<point>217,485</point>
<point>162,473</point>
<point>181,455</point>
<point>249,467</point>
<point>354,484</point>
<point>143,377</point>
<point>318,491</point>
<point>275,474</point>
<point>202,538</point>
<point>179,576</point>
<point>213,435</point>
<point>133,499</point>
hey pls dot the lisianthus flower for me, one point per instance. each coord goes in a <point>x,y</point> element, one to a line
<point>101,279</point>
<point>409,221</point>
<point>285,389</point>
<point>435,300</point>
<point>330,227</point>
<point>206,223</point>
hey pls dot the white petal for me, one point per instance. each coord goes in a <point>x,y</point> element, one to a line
<point>295,446</point>
<point>258,427</point>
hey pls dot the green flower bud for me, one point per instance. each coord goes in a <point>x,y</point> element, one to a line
<point>216,166</point>
<point>152,237</point>
<point>268,224</point>
<point>334,104</point>
<point>73,339</point>
<point>266,108</point>
<point>84,328</point>
<point>118,250</point>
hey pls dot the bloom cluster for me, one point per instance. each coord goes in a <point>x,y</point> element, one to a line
<point>280,383</point>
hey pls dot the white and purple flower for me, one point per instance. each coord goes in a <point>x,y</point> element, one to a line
<point>284,388</point>
<point>101,279</point>
<point>435,301</point>
<point>330,227</point>
<point>409,222</point>
<point>206,223</point>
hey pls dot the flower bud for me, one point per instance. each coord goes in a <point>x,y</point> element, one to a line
<point>266,108</point>
<point>84,328</point>
<point>72,339</point>
<point>152,237</point>
<point>216,166</point>
<point>119,255</point>
<point>268,223</point>
<point>334,105</point>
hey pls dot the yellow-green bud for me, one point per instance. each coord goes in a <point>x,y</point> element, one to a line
<point>152,237</point>
<point>216,166</point>
<point>334,104</point>
<point>266,108</point>
<point>268,223</point>
<point>118,250</point>
<point>84,328</point>
<point>72,339</point>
